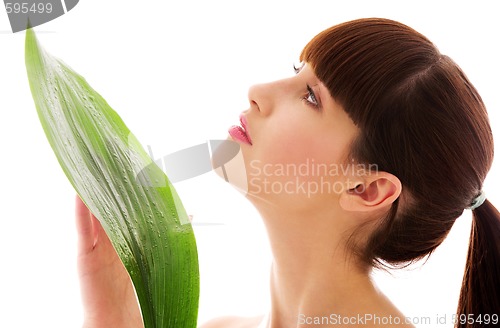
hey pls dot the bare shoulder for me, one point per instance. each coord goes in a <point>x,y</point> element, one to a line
<point>233,322</point>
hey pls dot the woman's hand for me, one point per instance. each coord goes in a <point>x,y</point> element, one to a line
<point>108,295</point>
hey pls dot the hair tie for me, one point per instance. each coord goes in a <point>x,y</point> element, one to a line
<point>478,201</point>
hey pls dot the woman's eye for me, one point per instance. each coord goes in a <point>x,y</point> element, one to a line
<point>297,68</point>
<point>311,97</point>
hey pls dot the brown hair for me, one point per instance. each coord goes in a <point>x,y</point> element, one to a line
<point>423,121</point>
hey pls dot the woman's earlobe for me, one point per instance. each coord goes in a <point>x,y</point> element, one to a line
<point>377,191</point>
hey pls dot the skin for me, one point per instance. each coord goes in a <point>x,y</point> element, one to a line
<point>108,296</point>
<point>313,274</point>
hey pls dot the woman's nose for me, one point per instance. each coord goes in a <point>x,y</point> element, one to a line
<point>261,97</point>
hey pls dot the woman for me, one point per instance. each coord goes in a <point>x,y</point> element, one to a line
<point>365,158</point>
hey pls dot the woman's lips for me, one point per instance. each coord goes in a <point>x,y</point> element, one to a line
<point>240,133</point>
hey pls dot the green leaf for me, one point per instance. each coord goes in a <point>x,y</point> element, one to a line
<point>129,194</point>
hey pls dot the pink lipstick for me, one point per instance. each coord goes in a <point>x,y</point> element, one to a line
<point>240,133</point>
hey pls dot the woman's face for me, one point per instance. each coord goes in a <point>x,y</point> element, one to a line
<point>296,142</point>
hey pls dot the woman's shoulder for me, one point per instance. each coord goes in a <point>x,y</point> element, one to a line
<point>233,322</point>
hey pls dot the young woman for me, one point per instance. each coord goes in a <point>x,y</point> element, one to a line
<point>364,158</point>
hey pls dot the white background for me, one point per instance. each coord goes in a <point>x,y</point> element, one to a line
<point>178,73</point>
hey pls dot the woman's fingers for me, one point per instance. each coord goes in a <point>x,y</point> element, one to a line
<point>91,234</point>
<point>87,237</point>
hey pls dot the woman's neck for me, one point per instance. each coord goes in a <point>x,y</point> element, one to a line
<point>312,274</point>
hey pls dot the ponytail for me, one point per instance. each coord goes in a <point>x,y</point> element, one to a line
<point>479,303</point>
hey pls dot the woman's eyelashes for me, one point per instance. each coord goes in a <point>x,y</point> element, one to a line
<point>297,68</point>
<point>310,98</point>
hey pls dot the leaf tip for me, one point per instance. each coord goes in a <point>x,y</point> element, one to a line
<point>31,42</point>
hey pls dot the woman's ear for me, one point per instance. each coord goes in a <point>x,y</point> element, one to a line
<point>373,193</point>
